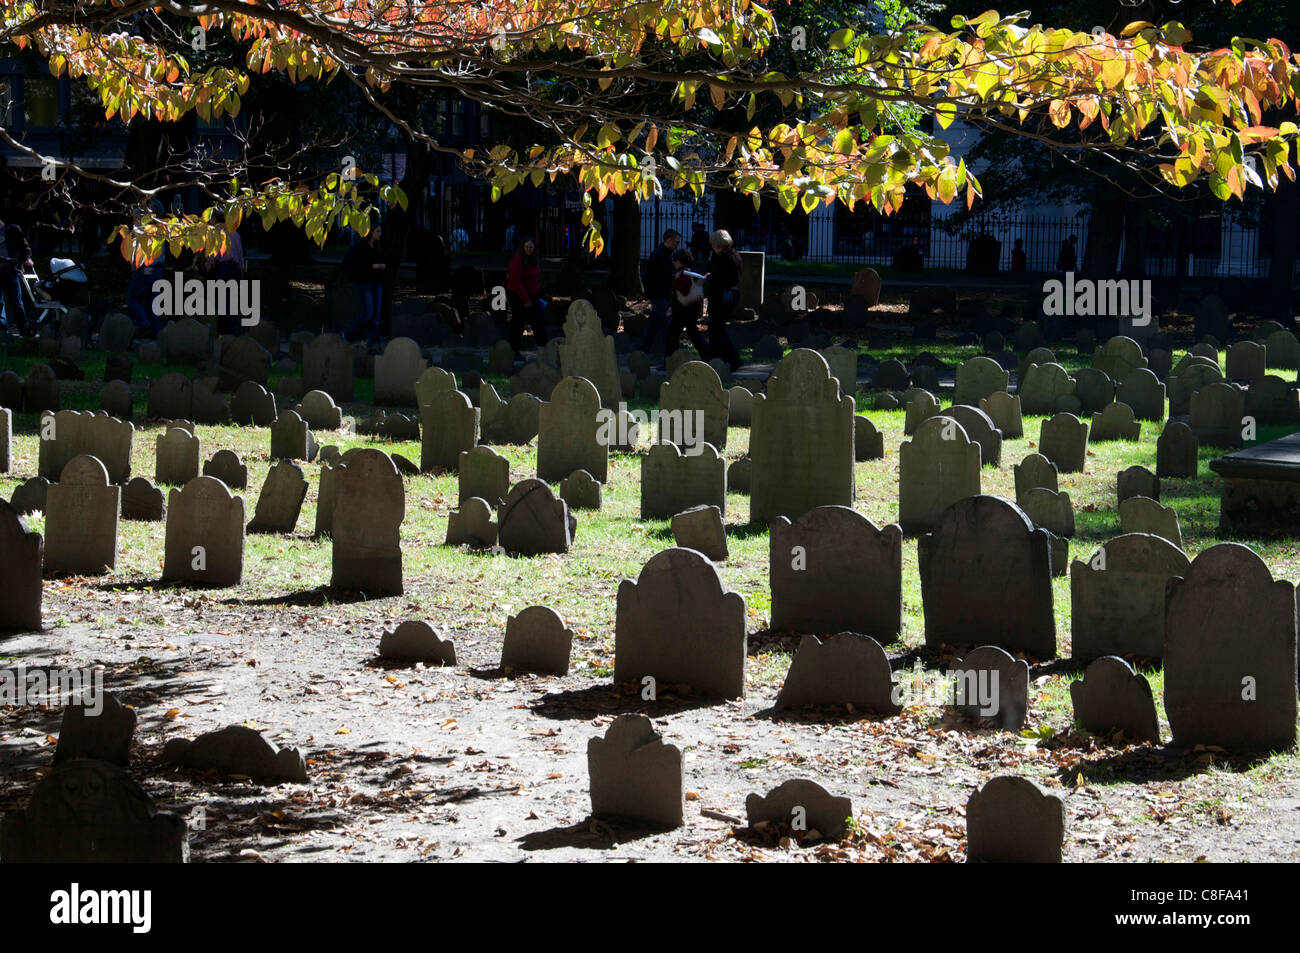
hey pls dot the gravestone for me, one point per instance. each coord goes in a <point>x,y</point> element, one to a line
<point>115,400</point>
<point>515,422</point>
<point>1282,349</point>
<point>696,390</point>
<point>252,406</point>
<point>1115,422</point>
<point>116,333</point>
<point>226,466</point>
<point>1272,400</point>
<point>433,380</point>
<point>143,502</point>
<point>237,750</point>
<point>70,433</point>
<point>1176,451</point>
<point>320,411</point>
<point>1136,481</point>
<point>536,640</point>
<point>417,641</point>
<point>1138,514</point>
<point>844,367</point>
<point>539,378</point>
<point>280,501</point>
<point>471,524</point>
<point>81,520</point>
<point>738,476</point>
<point>801,440</point>
<point>205,534</point>
<point>918,408</point>
<point>243,359</point>
<point>103,734</point>
<point>833,570</point>
<point>701,528</point>
<point>986,579</point>
<point>1112,697</point>
<point>1247,361</point>
<point>448,427</point>
<point>177,454</point>
<point>740,406</point>
<point>1119,357</point>
<point>1042,386</point>
<point>1217,410</point>
<point>532,521</point>
<point>484,473</point>
<point>1144,394</point>
<point>1004,410</point>
<point>635,775</point>
<point>672,481</point>
<point>580,490</point>
<point>1011,820</point>
<point>327,364</point>
<point>6,439</point>
<point>1053,512</point>
<point>937,467</point>
<point>1094,389</point>
<point>990,683</point>
<point>1230,654</point>
<point>846,670</point>
<point>889,375</point>
<point>11,391</point>
<point>868,442</point>
<point>209,407</point>
<point>821,815</point>
<point>119,367</point>
<point>369,505</point>
<point>291,438</point>
<point>569,433</point>
<point>979,428</point>
<point>1063,439</point>
<point>21,554</point>
<point>171,397</point>
<point>397,370</point>
<point>678,625</point>
<point>1183,384</point>
<point>589,353</point>
<point>185,341</point>
<point>978,378</point>
<point>866,282</point>
<point>89,811</point>
<point>41,389</point>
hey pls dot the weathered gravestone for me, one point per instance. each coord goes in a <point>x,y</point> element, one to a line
<point>226,466</point>
<point>635,775</point>
<point>237,749</point>
<point>1119,357</point>
<point>801,440</point>
<point>1230,654</point>
<point>868,442</point>
<point>41,389</point>
<point>570,430</point>
<point>417,641</point>
<point>471,524</point>
<point>369,505</point>
<point>1112,697</point>
<point>833,570</point>
<point>448,427</point>
<point>484,473</point>
<point>1176,451</point>
<point>807,808</point>
<point>1053,512</point>
<point>1247,361</point>
<point>252,406</point>
<point>143,502</point>
<point>1093,388</point>
<point>1115,422</point>
<point>580,490</point>
<point>846,669</point>
<point>672,481</point>
<point>986,579</point>
<point>21,553</point>
<point>978,378</point>
<point>327,364</point>
<point>1136,481</point>
<point>740,406</point>
<point>514,422</point>
<point>532,521</point>
<point>81,520</point>
<point>320,411</point>
<point>70,433</point>
<point>1183,384</point>
<point>1282,350</point>
<point>397,370</point>
<point>979,428</point>
<point>589,353</point>
<point>1117,597</point>
<point>678,625</point>
<point>693,397</point>
<point>433,380</point>
<point>1042,386</point>
<point>291,438</point>
<point>937,467</point>
<point>1011,820</point>
<point>919,407</point>
<point>990,683</point>
<point>29,496</point>
<point>171,397</point>
<point>115,400</point>
<point>97,726</point>
<point>117,332</point>
<point>1138,514</point>
<point>89,811</point>
<point>1004,410</point>
<point>1217,410</point>
<point>176,457</point>
<point>280,501</point>
<point>243,359</point>
<point>701,528</point>
<point>1272,400</point>
<point>536,640</point>
<point>1063,439</point>
<point>1143,392</point>
<point>11,391</point>
<point>185,341</point>
<point>205,534</point>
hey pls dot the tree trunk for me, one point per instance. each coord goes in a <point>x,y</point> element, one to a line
<point>625,260</point>
<point>1285,209</point>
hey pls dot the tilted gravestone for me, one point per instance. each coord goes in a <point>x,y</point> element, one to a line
<point>532,521</point>
<point>917,409</point>
<point>805,806</point>
<point>536,640</point>
<point>70,433</point>
<point>21,553</point>
<point>96,726</point>
<point>205,534</point>
<point>81,520</point>
<point>448,427</point>
<point>226,466</point>
<point>512,422</point>
<point>635,775</point>
<point>237,749</point>
<point>801,440</point>
<point>691,397</point>
<point>1176,451</point>
<point>937,467</point>
<point>417,641</point>
<point>143,502</point>
<point>1011,820</point>
<point>678,625</point>
<point>252,406</point>
<point>845,669</point>
<point>1112,697</point>
<point>672,481</point>
<point>327,364</point>
<point>580,490</point>
<point>484,473</point>
<point>1143,392</point>
<point>1115,422</point>
<point>1136,481</point>
<point>369,505</point>
<point>701,528</point>
<point>1138,514</point>
<point>177,454</point>
<point>588,352</point>
<point>397,370</point>
<point>986,579</point>
<point>1004,410</point>
<point>1230,654</point>
<point>1117,597</point>
<point>977,379</point>
<point>471,524</point>
<point>570,429</point>
<point>280,501</point>
<point>833,570</point>
<point>989,683</point>
<point>88,811</point>
<point>1063,439</point>
<point>291,438</point>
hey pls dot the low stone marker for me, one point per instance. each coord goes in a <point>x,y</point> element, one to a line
<point>205,534</point>
<point>417,641</point>
<point>990,683</point>
<point>237,749</point>
<point>1137,481</point>
<point>1012,821</point>
<point>847,670</point>
<point>809,809</point>
<point>635,775</point>
<point>280,502</point>
<point>98,727</point>
<point>1117,597</point>
<point>537,640</point>
<point>532,521</point>
<point>472,524</point>
<point>143,502</point>
<point>701,528</point>
<point>226,466</point>
<point>1112,697</point>
<point>581,491</point>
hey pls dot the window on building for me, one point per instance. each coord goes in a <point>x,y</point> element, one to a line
<point>41,102</point>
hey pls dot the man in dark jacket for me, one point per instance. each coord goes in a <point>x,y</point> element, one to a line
<point>658,284</point>
<point>15,255</point>
<point>722,289</point>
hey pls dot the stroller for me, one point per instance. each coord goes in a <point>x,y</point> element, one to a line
<point>50,297</point>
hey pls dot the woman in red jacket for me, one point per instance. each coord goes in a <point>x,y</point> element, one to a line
<point>523,285</point>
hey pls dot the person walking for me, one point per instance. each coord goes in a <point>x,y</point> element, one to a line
<point>365,268</point>
<point>687,304</point>
<point>722,290</point>
<point>1068,256</point>
<point>1018,260</point>
<point>15,255</point>
<point>523,287</point>
<point>658,284</point>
